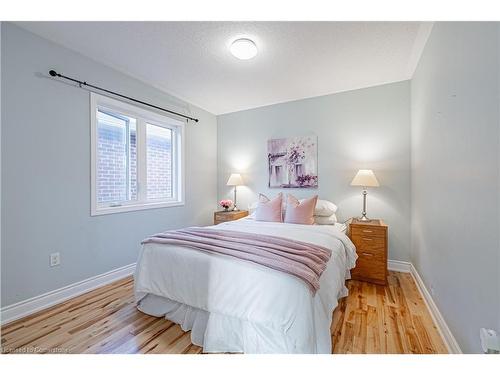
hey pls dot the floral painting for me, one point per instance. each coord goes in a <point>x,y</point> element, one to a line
<point>293,162</point>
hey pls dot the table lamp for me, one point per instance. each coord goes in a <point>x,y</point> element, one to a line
<point>365,178</point>
<point>235,180</point>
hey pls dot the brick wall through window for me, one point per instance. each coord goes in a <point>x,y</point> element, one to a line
<point>114,184</point>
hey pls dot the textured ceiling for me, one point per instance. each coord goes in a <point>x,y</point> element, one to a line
<point>296,60</point>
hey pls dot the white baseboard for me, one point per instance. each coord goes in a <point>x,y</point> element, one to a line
<point>444,330</point>
<point>24,308</point>
<point>399,266</point>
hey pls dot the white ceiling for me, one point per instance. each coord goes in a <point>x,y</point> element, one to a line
<point>296,60</point>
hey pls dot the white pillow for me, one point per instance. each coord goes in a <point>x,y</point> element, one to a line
<point>325,220</point>
<point>324,208</point>
<point>252,207</point>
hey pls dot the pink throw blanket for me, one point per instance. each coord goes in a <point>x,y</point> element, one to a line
<point>301,259</point>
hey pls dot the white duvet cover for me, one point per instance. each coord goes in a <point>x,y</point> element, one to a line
<point>238,306</point>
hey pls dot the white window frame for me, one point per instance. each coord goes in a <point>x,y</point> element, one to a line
<point>143,117</point>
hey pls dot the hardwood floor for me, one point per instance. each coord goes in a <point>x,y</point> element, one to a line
<point>385,319</point>
<point>372,319</point>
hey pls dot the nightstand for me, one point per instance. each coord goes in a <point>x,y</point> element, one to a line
<point>370,239</point>
<point>223,216</point>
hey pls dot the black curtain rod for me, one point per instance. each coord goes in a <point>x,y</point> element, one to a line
<point>53,73</point>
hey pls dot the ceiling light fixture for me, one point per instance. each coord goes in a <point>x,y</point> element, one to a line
<point>243,49</point>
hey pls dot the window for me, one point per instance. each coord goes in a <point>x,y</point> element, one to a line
<point>137,158</point>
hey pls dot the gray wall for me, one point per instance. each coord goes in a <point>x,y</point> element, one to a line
<point>46,171</point>
<point>455,182</point>
<point>368,128</point>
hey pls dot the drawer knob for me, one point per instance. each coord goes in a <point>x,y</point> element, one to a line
<point>367,254</point>
<point>367,231</point>
<point>367,239</point>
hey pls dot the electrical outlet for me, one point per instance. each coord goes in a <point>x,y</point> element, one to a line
<point>490,341</point>
<point>55,259</point>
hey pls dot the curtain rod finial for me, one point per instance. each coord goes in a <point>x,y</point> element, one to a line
<point>53,73</point>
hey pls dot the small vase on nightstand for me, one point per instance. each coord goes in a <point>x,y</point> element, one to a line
<point>226,204</point>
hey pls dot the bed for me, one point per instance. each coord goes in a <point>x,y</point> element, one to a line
<point>232,305</point>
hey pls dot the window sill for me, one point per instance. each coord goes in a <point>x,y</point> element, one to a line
<point>138,207</point>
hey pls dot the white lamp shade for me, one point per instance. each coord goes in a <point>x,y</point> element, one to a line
<point>365,178</point>
<point>235,180</point>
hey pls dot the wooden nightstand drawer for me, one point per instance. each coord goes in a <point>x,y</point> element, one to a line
<point>368,232</point>
<point>371,244</point>
<point>223,216</point>
<point>371,255</point>
<point>370,270</point>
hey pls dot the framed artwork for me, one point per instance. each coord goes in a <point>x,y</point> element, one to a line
<point>293,162</point>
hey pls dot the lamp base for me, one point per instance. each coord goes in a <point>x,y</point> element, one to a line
<point>364,219</point>
<point>235,208</point>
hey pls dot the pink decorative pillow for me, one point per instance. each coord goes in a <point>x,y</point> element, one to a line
<point>269,209</point>
<point>300,212</point>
